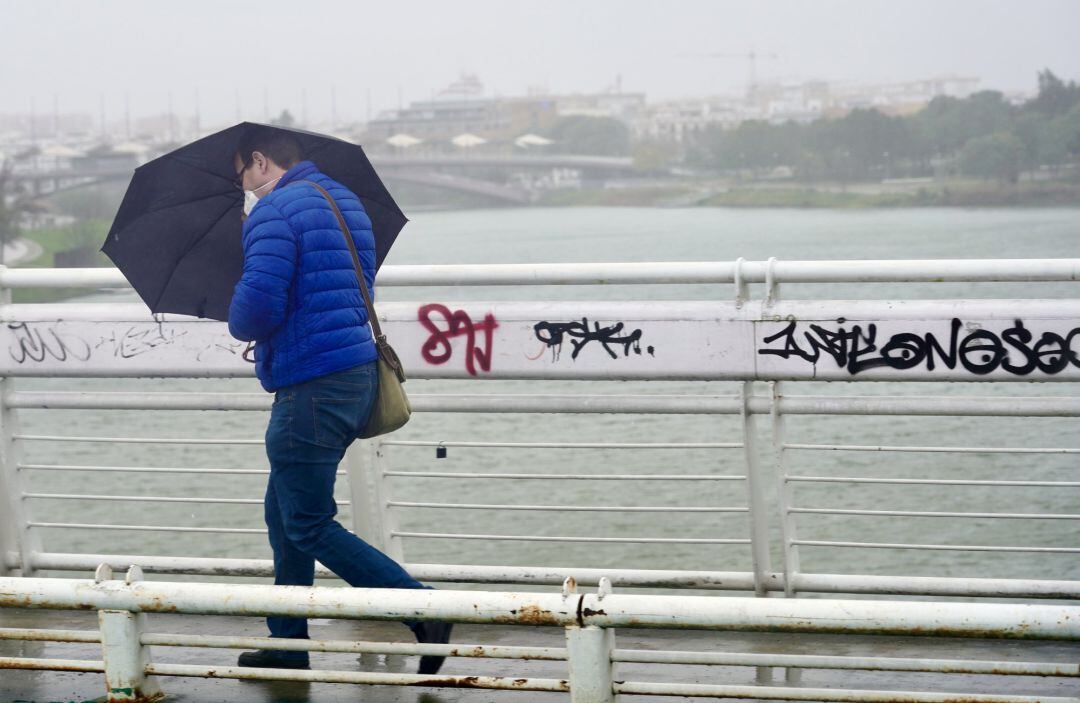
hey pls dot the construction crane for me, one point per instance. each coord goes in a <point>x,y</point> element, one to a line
<point>750,56</point>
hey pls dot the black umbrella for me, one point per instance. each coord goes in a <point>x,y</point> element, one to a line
<point>176,236</point>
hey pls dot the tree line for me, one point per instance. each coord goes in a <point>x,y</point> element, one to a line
<point>983,136</point>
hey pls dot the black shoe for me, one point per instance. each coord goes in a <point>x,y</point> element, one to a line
<point>434,632</point>
<point>268,659</point>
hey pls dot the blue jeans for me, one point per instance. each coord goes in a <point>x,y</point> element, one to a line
<point>311,424</point>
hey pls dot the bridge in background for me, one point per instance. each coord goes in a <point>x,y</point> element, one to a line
<point>477,174</point>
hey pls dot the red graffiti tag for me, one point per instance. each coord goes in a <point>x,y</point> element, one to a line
<point>437,350</point>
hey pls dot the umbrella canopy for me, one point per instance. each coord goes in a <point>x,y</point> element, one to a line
<point>468,140</point>
<point>527,140</point>
<point>59,151</point>
<point>131,148</point>
<point>403,140</point>
<point>176,236</point>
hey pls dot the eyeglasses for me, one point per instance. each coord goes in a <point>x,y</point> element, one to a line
<point>238,182</point>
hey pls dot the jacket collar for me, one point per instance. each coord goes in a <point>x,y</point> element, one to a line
<point>299,172</point>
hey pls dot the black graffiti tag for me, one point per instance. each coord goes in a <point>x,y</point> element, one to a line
<point>140,339</point>
<point>31,343</point>
<point>552,334</point>
<point>979,351</point>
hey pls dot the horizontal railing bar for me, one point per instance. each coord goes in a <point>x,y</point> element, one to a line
<point>104,277</point>
<point>135,440</point>
<point>819,694</point>
<point>967,406</point>
<point>448,573</point>
<point>961,406</point>
<point>149,528</point>
<point>670,272</point>
<point>805,661</point>
<point>565,445</point>
<point>150,499</point>
<point>842,271</point>
<point>570,477</point>
<point>420,402</point>
<point>933,481</point>
<point>927,513</point>
<point>614,610</point>
<point>573,508</point>
<point>27,635</point>
<point>144,469</point>
<point>935,586</point>
<point>127,400</point>
<point>27,663</point>
<point>555,575</point>
<point>545,538</point>
<point>356,647</point>
<point>359,677</point>
<point>941,547</point>
<point>947,450</point>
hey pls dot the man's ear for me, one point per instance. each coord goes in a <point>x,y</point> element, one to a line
<point>259,160</point>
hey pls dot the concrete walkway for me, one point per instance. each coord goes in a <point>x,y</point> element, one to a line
<point>48,686</point>
<point>21,251</point>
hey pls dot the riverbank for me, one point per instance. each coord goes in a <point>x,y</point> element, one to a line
<point>74,245</point>
<point>832,195</point>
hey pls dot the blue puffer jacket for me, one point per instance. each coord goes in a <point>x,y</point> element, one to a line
<point>298,298</point>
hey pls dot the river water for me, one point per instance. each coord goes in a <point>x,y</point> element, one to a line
<point>633,234</point>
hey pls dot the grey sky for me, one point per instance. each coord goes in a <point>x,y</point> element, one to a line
<point>81,49</point>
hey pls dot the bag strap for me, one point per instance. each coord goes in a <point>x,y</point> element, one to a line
<point>372,317</point>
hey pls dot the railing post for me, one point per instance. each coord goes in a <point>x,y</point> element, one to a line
<point>785,501</point>
<point>759,521</point>
<point>372,519</point>
<point>12,521</point>
<point>785,493</point>
<point>588,654</point>
<point>16,537</point>
<point>125,656</point>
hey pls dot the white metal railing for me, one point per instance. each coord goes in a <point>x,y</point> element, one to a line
<point>369,468</point>
<point>590,621</point>
<point>761,463</point>
<point>740,271</point>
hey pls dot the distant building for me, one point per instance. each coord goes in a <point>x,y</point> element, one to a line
<point>462,108</point>
<point>787,101</point>
<point>899,98</point>
<point>678,120</point>
<point>626,107</point>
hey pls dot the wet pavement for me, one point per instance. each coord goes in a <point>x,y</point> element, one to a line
<point>56,687</point>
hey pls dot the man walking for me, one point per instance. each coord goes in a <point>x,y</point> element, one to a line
<point>299,300</point>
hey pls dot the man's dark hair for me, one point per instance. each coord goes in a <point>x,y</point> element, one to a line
<point>280,147</point>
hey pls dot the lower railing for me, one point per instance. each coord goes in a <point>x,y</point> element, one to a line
<point>589,619</point>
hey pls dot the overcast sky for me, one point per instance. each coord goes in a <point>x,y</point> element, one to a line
<point>81,49</point>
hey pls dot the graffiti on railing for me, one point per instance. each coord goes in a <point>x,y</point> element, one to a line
<point>553,334</point>
<point>980,351</point>
<point>33,342</point>
<point>139,339</point>
<point>64,343</point>
<point>603,342</point>
<point>437,349</point>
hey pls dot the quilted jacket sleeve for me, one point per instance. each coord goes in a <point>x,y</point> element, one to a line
<point>261,297</point>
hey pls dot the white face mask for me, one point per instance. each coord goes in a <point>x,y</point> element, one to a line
<point>251,196</point>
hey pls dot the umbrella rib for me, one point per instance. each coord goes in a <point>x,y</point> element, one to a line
<point>192,166</point>
<point>186,252</point>
<point>189,202</point>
